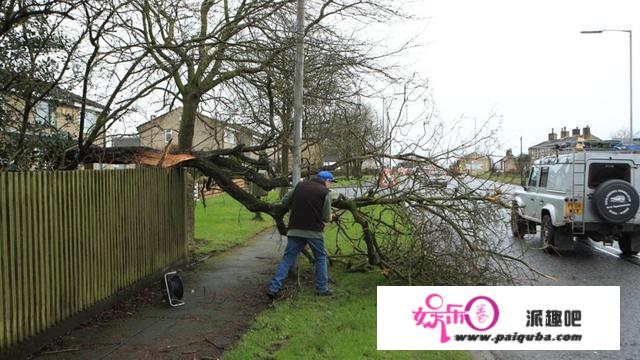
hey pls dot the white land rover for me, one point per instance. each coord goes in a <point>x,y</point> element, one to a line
<point>581,193</point>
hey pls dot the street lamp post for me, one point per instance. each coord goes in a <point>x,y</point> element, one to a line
<point>298,93</point>
<point>630,74</point>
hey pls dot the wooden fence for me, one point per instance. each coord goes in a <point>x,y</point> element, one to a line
<point>71,239</point>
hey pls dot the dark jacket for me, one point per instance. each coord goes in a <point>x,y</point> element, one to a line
<point>306,205</point>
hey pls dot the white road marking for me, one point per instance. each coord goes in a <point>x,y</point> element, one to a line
<point>615,254</point>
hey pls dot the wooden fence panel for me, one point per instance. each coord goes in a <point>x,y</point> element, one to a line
<point>69,240</point>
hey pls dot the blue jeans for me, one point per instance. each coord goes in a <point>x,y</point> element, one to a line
<point>291,252</point>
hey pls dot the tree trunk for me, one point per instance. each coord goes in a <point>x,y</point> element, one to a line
<point>357,169</point>
<point>187,122</point>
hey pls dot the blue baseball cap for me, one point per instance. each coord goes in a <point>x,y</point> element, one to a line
<point>326,175</point>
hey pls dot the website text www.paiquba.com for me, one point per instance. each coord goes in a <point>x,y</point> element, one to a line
<point>521,338</point>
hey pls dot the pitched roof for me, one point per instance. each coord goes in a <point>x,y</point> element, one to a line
<point>56,93</point>
<point>569,139</point>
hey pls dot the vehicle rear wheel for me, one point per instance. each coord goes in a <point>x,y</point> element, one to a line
<point>547,234</point>
<point>624,242</point>
<point>518,224</point>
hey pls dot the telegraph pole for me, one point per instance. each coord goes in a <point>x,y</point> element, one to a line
<point>298,94</point>
<point>520,145</point>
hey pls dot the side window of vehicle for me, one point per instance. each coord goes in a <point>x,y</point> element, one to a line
<point>533,178</point>
<point>544,175</point>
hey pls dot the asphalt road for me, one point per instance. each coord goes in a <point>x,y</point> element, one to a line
<point>588,264</point>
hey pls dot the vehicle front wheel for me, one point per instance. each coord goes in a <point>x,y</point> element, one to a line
<point>518,224</point>
<point>547,234</point>
<point>624,242</point>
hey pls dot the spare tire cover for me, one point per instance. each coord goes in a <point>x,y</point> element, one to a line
<point>616,201</point>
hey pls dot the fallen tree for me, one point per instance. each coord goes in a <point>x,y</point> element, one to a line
<point>416,229</point>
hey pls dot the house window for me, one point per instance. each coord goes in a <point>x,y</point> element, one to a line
<point>89,121</point>
<point>229,137</point>
<point>42,116</point>
<point>168,135</point>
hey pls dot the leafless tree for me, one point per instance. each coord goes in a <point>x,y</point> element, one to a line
<point>36,55</point>
<point>623,134</point>
<point>232,38</point>
<point>50,56</point>
<point>14,13</point>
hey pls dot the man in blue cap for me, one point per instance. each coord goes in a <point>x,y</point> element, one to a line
<point>310,208</point>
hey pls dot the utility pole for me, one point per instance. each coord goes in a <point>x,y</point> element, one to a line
<point>630,73</point>
<point>298,94</point>
<point>520,145</point>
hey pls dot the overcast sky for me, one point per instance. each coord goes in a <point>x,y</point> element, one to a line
<point>527,61</point>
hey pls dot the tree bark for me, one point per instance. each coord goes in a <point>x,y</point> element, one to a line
<point>187,122</point>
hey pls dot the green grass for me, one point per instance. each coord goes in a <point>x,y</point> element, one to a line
<point>304,326</point>
<point>506,179</point>
<point>225,223</point>
<point>353,181</point>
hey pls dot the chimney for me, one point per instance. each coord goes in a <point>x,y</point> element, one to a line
<point>586,132</point>
<point>509,153</point>
<point>553,135</point>
<point>564,133</point>
<point>575,132</point>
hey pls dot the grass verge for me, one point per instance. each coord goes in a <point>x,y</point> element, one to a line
<point>304,326</point>
<point>342,181</point>
<point>225,223</point>
<point>506,179</point>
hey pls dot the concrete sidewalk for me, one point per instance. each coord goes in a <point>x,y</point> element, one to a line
<point>222,297</point>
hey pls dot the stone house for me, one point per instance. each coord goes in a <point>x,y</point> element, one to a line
<point>507,164</point>
<point>473,164</point>
<point>548,147</point>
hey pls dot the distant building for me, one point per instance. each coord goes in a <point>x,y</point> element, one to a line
<point>208,134</point>
<point>507,164</point>
<point>548,147</point>
<point>473,164</point>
